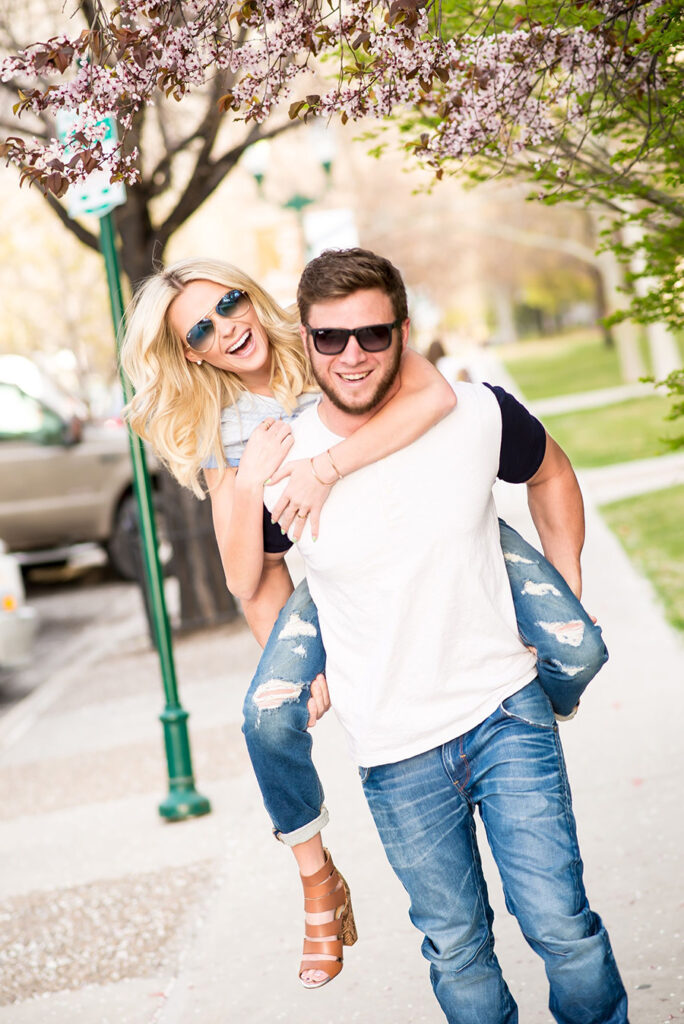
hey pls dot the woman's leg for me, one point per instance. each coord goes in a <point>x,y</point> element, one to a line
<point>570,650</point>
<point>279,745</point>
<point>275,722</point>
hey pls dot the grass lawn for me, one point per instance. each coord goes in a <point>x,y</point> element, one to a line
<point>651,529</point>
<point>562,366</point>
<point>568,364</point>
<point>615,433</point>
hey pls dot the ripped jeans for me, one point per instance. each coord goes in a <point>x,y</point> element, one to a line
<point>569,647</point>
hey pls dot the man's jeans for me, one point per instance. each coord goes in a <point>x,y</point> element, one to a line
<point>511,768</point>
<point>569,647</point>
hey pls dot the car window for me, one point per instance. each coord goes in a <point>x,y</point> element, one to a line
<point>24,418</point>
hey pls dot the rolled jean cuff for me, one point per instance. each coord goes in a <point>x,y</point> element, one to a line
<point>308,831</point>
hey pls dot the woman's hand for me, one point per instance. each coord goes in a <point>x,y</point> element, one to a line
<point>303,498</point>
<point>267,447</point>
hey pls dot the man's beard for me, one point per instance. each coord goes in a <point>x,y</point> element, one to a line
<point>381,388</point>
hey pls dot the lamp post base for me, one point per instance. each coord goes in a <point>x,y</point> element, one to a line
<point>183,802</point>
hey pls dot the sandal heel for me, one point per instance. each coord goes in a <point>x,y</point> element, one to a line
<point>348,924</point>
<point>326,890</point>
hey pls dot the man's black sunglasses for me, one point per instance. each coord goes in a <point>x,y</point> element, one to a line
<point>201,334</point>
<point>330,341</point>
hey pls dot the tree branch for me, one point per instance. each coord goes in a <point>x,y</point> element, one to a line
<point>207,130</point>
<point>77,229</point>
<point>207,176</point>
<point>11,126</point>
<point>597,165</point>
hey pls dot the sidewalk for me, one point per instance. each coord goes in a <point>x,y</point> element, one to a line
<point>628,479</point>
<point>110,916</point>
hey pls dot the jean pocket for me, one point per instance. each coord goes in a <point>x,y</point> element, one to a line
<point>530,705</point>
<point>363,774</point>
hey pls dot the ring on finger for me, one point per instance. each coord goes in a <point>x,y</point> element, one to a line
<point>301,515</point>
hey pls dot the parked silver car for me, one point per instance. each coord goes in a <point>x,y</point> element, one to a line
<point>63,479</point>
<point>17,620</point>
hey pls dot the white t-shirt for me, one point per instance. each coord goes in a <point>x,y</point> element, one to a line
<point>408,576</point>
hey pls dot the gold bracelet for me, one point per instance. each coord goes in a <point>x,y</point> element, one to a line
<point>313,470</point>
<point>332,463</point>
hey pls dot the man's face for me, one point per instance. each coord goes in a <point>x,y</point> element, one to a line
<point>356,381</point>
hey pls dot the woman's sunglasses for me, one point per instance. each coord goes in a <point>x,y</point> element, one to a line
<point>330,341</point>
<point>201,335</point>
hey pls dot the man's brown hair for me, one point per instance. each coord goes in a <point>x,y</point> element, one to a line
<point>337,273</point>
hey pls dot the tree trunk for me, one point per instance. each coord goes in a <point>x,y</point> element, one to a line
<point>204,597</point>
<point>506,329</point>
<point>665,358</point>
<point>139,245</point>
<point>601,302</point>
<point>626,333</point>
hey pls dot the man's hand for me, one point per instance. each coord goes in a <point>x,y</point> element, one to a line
<point>319,701</point>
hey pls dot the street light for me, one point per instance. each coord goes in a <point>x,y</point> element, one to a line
<point>99,196</point>
<point>256,160</point>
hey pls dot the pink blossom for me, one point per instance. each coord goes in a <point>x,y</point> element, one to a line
<point>495,91</point>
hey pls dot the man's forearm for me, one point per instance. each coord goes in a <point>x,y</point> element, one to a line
<point>557,511</point>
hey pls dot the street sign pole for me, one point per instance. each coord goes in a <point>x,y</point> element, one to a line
<point>99,196</point>
<point>183,800</point>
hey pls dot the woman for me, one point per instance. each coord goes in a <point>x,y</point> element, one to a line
<point>218,368</point>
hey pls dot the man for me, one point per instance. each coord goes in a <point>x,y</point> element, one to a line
<point>436,692</point>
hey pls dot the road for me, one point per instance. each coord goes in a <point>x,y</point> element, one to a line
<point>68,600</point>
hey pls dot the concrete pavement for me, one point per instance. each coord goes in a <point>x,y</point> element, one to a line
<point>627,479</point>
<point>110,916</point>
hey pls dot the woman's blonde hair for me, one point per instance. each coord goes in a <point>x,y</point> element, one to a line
<point>177,406</point>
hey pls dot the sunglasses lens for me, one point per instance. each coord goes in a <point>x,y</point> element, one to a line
<point>376,338</point>
<point>199,336</point>
<point>232,304</point>
<point>329,341</point>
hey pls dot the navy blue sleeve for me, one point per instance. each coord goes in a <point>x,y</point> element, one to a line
<point>274,539</point>
<point>523,439</point>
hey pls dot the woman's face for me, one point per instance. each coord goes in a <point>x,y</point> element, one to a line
<point>238,343</point>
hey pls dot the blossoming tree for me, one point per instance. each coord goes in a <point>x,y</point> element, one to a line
<point>174,156</point>
<point>583,95</point>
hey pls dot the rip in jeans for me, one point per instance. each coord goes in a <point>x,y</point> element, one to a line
<point>571,633</point>
<point>272,694</point>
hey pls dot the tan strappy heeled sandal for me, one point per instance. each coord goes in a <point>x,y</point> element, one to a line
<point>321,893</point>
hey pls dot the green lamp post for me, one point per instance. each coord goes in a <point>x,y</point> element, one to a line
<point>183,801</point>
<point>98,196</point>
